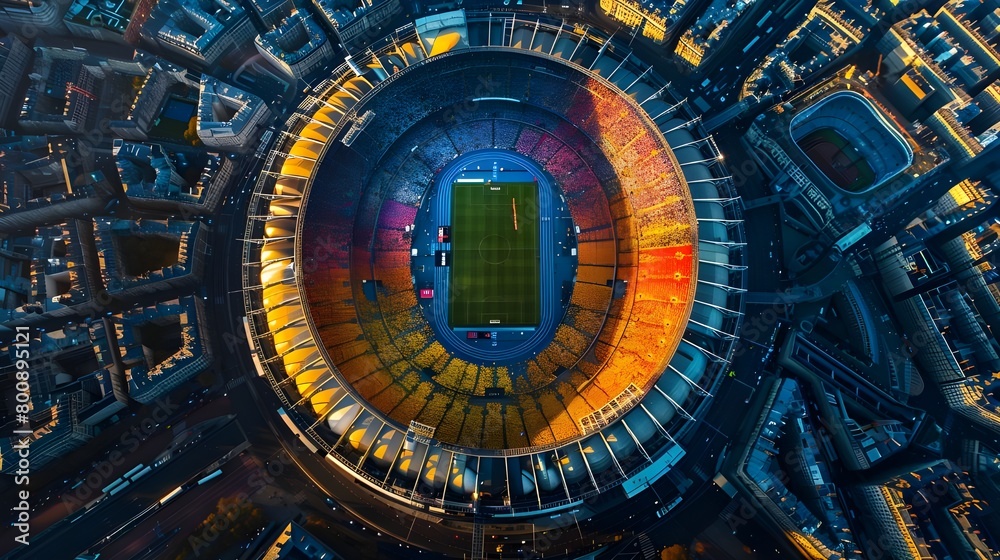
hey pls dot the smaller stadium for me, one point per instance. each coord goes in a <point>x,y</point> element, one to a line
<point>494,266</point>
<point>851,143</point>
<point>838,159</point>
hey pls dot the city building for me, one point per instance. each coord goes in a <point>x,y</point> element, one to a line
<point>182,180</point>
<point>270,13</point>
<point>831,30</point>
<point>867,425</point>
<point>201,31</point>
<point>943,71</point>
<point>49,273</point>
<point>15,58</point>
<point>734,28</point>
<point>652,24</point>
<point>19,16</point>
<point>99,19</point>
<point>951,321</point>
<point>228,117</point>
<point>785,472</point>
<point>162,346</point>
<point>114,22</point>
<point>295,543</point>
<point>142,257</point>
<point>353,25</point>
<point>70,91</point>
<point>72,393</point>
<point>62,92</point>
<point>933,511</point>
<point>36,188</point>
<point>298,46</point>
<point>151,99</point>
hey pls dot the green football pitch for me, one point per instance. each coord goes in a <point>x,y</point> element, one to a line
<point>838,159</point>
<point>494,261</point>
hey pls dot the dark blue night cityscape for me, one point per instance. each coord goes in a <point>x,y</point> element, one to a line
<point>486,279</point>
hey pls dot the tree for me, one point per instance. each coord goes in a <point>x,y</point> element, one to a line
<point>675,552</point>
<point>233,521</point>
<point>191,134</point>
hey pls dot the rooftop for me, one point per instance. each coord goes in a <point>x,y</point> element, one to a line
<point>296,38</point>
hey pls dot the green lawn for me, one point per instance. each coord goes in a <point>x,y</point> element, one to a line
<point>863,175</point>
<point>494,268</point>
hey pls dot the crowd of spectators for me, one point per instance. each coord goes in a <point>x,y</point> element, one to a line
<point>397,215</point>
<point>554,96</point>
<point>527,141</point>
<point>546,148</point>
<point>591,296</point>
<point>472,135</point>
<point>506,133</point>
<point>616,183</point>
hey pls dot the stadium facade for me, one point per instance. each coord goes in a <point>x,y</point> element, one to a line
<point>329,308</point>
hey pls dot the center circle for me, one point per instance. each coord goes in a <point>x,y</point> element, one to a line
<point>494,249</point>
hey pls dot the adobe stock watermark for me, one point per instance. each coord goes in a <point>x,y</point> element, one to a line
<point>235,511</point>
<point>22,407</point>
<point>486,86</point>
<point>227,516</point>
<point>755,327</point>
<point>102,471</point>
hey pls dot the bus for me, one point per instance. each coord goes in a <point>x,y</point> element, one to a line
<point>210,477</point>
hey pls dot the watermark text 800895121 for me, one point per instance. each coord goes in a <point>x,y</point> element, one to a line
<point>22,506</point>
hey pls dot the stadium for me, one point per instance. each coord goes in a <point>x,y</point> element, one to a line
<point>851,143</point>
<point>492,267</point>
